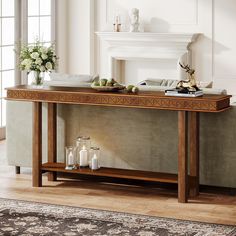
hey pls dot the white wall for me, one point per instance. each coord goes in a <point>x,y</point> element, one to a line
<point>80,36</point>
<point>61,35</point>
<point>224,44</point>
<point>161,16</point>
<point>214,52</point>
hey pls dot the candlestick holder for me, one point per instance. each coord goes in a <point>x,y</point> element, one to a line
<point>83,144</point>
<point>117,24</point>
<point>71,162</point>
<point>94,158</point>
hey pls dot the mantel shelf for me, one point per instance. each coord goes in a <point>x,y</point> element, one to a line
<point>146,45</point>
<point>147,38</point>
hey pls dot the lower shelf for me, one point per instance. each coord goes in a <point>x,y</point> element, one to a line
<point>115,173</point>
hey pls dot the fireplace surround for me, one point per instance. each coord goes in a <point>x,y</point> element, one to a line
<point>146,46</point>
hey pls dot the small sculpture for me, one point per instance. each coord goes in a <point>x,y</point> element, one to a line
<point>189,84</point>
<point>134,20</point>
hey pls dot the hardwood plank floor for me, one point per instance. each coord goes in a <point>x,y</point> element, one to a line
<point>208,207</point>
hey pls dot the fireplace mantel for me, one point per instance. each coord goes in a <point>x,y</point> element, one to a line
<point>124,38</point>
<point>145,46</point>
<point>172,44</point>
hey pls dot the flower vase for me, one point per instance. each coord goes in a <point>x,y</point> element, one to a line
<point>38,78</point>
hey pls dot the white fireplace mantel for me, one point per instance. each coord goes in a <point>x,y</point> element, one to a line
<point>122,38</point>
<point>145,46</point>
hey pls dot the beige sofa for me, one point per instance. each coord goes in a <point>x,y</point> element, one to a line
<point>129,138</point>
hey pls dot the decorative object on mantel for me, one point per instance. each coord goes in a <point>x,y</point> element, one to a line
<point>107,85</point>
<point>37,59</point>
<point>117,24</point>
<point>186,88</point>
<point>31,218</point>
<point>134,20</point>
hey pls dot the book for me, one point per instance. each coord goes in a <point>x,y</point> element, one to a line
<point>183,93</point>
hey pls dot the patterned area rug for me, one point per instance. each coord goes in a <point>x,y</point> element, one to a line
<point>29,218</point>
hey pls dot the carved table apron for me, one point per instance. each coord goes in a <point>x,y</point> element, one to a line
<point>188,117</point>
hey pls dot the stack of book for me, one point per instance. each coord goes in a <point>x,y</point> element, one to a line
<point>183,93</point>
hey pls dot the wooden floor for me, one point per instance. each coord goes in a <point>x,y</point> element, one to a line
<point>214,208</point>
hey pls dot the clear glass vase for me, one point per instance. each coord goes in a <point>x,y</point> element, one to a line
<point>71,162</point>
<point>94,158</point>
<point>83,144</point>
<point>38,78</point>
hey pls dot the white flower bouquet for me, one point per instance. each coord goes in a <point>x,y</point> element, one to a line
<point>38,59</point>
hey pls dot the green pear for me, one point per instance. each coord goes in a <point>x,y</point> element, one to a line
<point>117,85</point>
<point>135,89</point>
<point>109,83</point>
<point>129,88</point>
<point>103,82</point>
<point>112,81</point>
<point>95,83</point>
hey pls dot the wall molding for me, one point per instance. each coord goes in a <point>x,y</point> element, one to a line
<point>193,23</point>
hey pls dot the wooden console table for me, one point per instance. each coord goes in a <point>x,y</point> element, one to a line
<point>188,181</point>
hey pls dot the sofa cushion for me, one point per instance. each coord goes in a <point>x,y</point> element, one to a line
<point>66,80</point>
<point>171,83</point>
<point>159,82</point>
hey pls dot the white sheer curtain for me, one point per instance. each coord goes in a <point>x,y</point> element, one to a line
<point>40,21</point>
<point>7,57</point>
<point>21,21</point>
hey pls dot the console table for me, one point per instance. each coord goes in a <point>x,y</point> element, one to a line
<point>188,130</point>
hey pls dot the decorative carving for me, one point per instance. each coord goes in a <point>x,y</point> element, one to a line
<point>213,103</point>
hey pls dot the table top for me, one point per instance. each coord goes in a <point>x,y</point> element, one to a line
<point>143,99</point>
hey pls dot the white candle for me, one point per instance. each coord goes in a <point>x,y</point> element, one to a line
<point>83,154</point>
<point>70,159</point>
<point>94,162</point>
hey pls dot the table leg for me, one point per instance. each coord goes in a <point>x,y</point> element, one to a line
<point>183,156</point>
<point>52,138</point>
<point>194,153</point>
<point>37,145</point>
